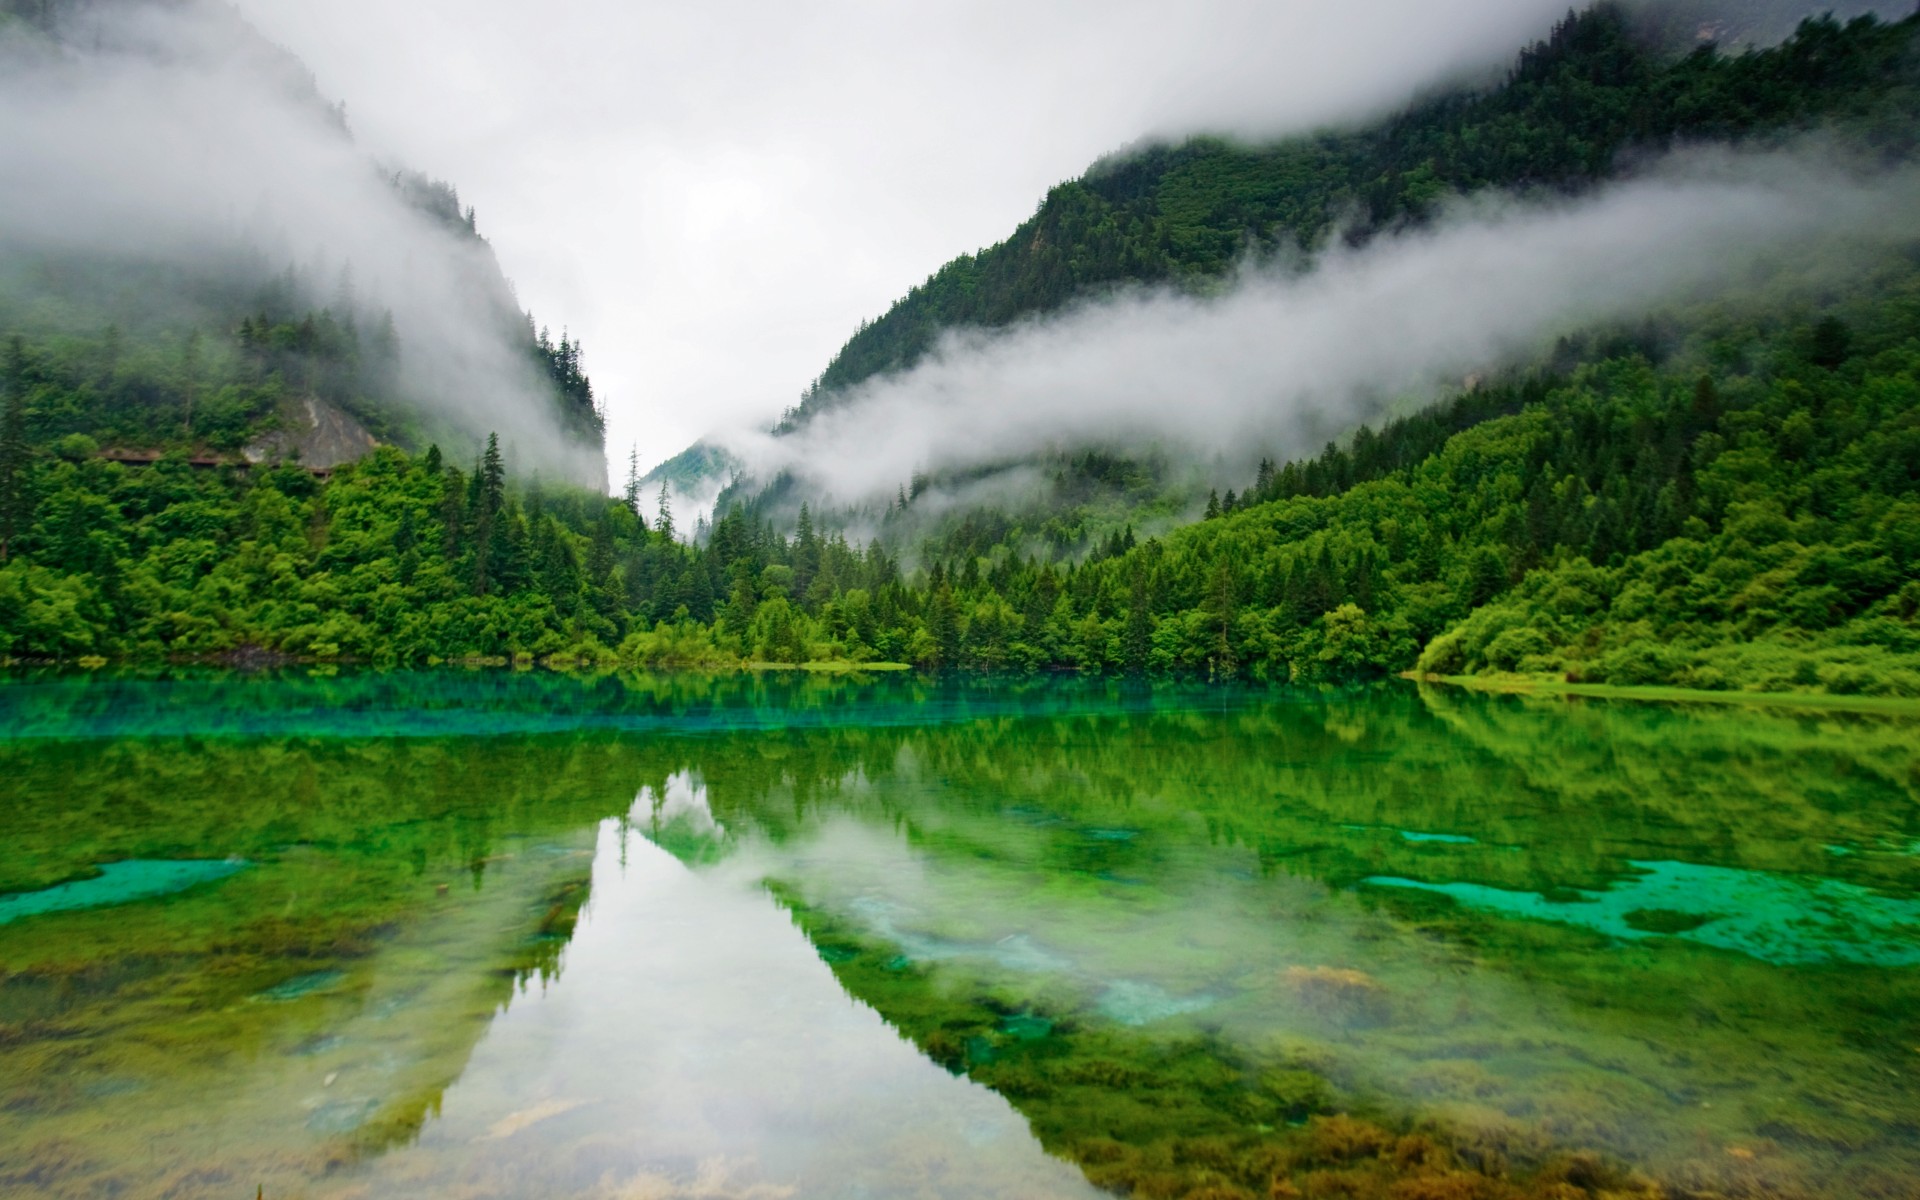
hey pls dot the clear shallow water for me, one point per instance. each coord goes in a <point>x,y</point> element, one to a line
<point>518,935</point>
<point>116,883</point>
<point>1782,919</point>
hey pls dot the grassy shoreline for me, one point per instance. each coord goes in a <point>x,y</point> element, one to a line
<point>1507,684</point>
<point>1522,685</point>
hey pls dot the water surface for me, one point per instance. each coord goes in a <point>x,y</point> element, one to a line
<point>514,935</point>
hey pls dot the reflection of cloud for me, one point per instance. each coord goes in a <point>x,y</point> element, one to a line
<point>682,801</point>
<point>712,1181</point>
<point>513,1123</point>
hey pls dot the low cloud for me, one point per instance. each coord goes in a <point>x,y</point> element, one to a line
<point>171,136</point>
<point>1283,359</point>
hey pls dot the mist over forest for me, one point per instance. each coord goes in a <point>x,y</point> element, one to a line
<point>1200,304</point>
<point>1365,645</point>
<point>1284,356</point>
<point>1600,368</point>
<point>169,179</point>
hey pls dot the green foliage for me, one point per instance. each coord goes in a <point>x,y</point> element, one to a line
<point>1722,499</point>
<point>1749,526</point>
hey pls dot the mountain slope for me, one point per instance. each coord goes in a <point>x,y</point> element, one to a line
<point>195,253</point>
<point>1186,214</point>
<point>1714,488</point>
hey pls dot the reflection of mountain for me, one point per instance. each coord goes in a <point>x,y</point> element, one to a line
<point>1136,914</point>
<point>698,1049</point>
<point>307,1010</point>
<point>1121,921</point>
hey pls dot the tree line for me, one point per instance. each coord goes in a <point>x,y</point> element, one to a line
<point>1625,521</point>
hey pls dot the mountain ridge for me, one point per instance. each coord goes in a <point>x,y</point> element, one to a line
<point>1186,215</point>
<point>297,271</point>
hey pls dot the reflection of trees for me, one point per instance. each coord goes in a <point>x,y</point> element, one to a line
<point>321,1000</point>
<point>1322,783</point>
<point>360,796</point>
<point>1164,805</point>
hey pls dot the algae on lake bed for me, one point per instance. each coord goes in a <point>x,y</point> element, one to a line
<point>1142,917</point>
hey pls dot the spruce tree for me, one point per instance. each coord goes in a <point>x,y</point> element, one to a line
<point>1222,606</point>
<point>665,525</point>
<point>493,479</point>
<point>943,625</point>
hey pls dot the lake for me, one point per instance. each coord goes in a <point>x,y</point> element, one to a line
<point>492,934</point>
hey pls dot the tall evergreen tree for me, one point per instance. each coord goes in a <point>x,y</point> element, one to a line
<point>493,480</point>
<point>1222,606</point>
<point>943,625</point>
<point>665,523</point>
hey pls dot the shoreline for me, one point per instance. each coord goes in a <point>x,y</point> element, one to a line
<point>1520,685</point>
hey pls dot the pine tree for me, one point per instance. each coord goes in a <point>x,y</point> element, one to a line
<point>486,498</point>
<point>632,493</point>
<point>190,376</point>
<point>943,625</point>
<point>1222,605</point>
<point>493,480</point>
<point>665,525</point>
<point>806,553</point>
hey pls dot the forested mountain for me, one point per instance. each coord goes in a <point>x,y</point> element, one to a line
<point>263,289</point>
<point>1599,88</point>
<point>1721,493</point>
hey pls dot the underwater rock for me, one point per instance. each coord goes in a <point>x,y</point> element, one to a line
<point>513,1123</point>
<point>1339,994</point>
<point>1782,919</point>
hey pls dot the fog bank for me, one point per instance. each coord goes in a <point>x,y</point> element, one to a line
<point>148,134</point>
<point>1282,359</point>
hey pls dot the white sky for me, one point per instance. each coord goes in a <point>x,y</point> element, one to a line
<point>713,193</point>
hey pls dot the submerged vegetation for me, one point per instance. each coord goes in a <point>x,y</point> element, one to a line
<point>1149,918</point>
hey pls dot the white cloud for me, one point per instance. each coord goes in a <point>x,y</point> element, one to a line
<point>714,195</point>
<point>1282,360</point>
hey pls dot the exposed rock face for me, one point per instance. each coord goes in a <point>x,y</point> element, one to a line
<point>317,433</point>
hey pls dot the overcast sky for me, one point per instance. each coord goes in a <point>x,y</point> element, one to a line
<point>713,194</point>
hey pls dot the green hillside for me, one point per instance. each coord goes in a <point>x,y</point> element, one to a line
<point>1723,496</point>
<point>1600,87</point>
<point>242,345</point>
